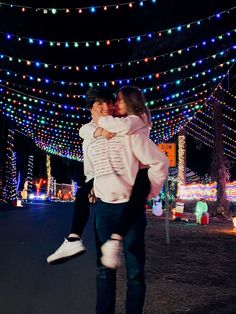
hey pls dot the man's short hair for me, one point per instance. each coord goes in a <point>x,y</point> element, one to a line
<point>98,94</point>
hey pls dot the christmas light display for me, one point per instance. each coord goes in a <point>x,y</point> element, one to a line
<point>48,169</point>
<point>79,10</point>
<point>6,87</point>
<point>48,106</point>
<point>30,173</point>
<point>148,59</point>
<point>128,40</point>
<point>181,158</point>
<point>10,176</point>
<point>196,191</point>
<point>51,189</point>
<point>117,82</point>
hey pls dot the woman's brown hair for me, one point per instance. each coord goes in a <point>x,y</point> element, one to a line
<point>135,101</point>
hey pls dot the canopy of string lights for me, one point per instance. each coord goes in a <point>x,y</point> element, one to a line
<point>182,57</point>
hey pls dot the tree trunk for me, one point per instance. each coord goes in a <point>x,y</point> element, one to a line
<point>220,166</point>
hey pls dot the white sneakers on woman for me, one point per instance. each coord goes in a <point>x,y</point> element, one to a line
<point>111,251</point>
<point>67,250</point>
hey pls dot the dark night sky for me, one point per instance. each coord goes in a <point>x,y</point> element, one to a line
<point>167,13</point>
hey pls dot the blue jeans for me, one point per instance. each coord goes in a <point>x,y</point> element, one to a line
<point>107,216</point>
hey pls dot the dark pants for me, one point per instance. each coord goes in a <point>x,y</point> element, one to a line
<point>81,208</point>
<point>137,200</point>
<point>108,216</point>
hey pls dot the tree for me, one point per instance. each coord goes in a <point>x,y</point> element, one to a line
<point>220,165</point>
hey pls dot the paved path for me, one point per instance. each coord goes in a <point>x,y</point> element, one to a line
<point>28,285</point>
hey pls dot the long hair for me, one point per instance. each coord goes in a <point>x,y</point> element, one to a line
<point>135,101</point>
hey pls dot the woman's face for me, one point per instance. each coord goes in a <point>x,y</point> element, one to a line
<point>120,108</point>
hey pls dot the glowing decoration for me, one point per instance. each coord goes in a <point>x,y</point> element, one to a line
<point>234,221</point>
<point>155,59</point>
<point>10,176</point>
<point>72,97</point>
<point>203,128</point>
<point>54,125</point>
<point>48,169</point>
<point>181,158</point>
<point>18,182</point>
<point>196,191</point>
<point>38,186</point>
<point>148,77</point>
<point>129,39</point>
<point>179,209</point>
<point>91,9</point>
<point>30,173</point>
<point>200,208</point>
<point>74,188</point>
<point>157,206</point>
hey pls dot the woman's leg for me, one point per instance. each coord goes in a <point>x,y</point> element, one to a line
<point>136,203</point>
<point>72,245</point>
<point>81,209</point>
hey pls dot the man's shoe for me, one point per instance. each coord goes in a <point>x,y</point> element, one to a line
<point>111,251</point>
<point>66,251</point>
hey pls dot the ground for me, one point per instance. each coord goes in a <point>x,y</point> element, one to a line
<point>194,274</point>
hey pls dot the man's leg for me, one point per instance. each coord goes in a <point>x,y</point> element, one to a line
<point>138,199</point>
<point>134,251</point>
<point>111,255</point>
<point>107,216</point>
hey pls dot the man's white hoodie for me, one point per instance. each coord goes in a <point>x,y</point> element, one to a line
<point>115,162</point>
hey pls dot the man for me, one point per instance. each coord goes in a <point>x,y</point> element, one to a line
<point>115,164</point>
<point>101,100</point>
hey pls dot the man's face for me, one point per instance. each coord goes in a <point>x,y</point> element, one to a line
<point>105,108</point>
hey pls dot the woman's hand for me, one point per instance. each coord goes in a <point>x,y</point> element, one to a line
<point>96,115</point>
<point>103,133</point>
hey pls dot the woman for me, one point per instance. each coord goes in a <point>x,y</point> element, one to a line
<point>131,115</point>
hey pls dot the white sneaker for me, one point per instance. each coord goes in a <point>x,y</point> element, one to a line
<point>111,251</point>
<point>67,250</point>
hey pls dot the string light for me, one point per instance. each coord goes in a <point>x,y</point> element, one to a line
<point>30,173</point>
<point>151,76</point>
<point>71,10</point>
<point>94,43</point>
<point>196,191</point>
<point>146,91</point>
<point>10,176</point>
<point>129,63</point>
<point>48,169</point>
<point>181,158</point>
